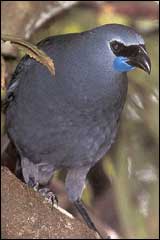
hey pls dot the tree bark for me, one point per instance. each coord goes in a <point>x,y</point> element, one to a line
<point>27,215</point>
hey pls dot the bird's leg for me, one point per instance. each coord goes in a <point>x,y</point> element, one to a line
<point>75,182</point>
<point>80,207</point>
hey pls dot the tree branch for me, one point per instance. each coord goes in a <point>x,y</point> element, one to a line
<point>25,214</point>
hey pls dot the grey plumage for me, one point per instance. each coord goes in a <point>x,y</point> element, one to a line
<point>69,121</point>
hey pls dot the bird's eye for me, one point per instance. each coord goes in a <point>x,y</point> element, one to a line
<point>116,46</point>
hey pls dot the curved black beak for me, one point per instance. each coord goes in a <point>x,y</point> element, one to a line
<point>141,59</point>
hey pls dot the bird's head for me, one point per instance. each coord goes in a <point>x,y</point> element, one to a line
<point>127,48</point>
<point>127,57</point>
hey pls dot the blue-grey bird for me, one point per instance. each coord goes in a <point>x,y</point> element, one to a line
<point>70,121</point>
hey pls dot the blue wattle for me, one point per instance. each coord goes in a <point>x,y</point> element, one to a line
<point>120,64</point>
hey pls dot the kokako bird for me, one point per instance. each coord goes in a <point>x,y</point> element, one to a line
<point>70,121</point>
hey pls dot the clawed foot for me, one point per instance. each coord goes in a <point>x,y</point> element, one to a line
<point>45,191</point>
<point>49,196</point>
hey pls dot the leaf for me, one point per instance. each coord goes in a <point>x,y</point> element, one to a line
<point>32,50</point>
